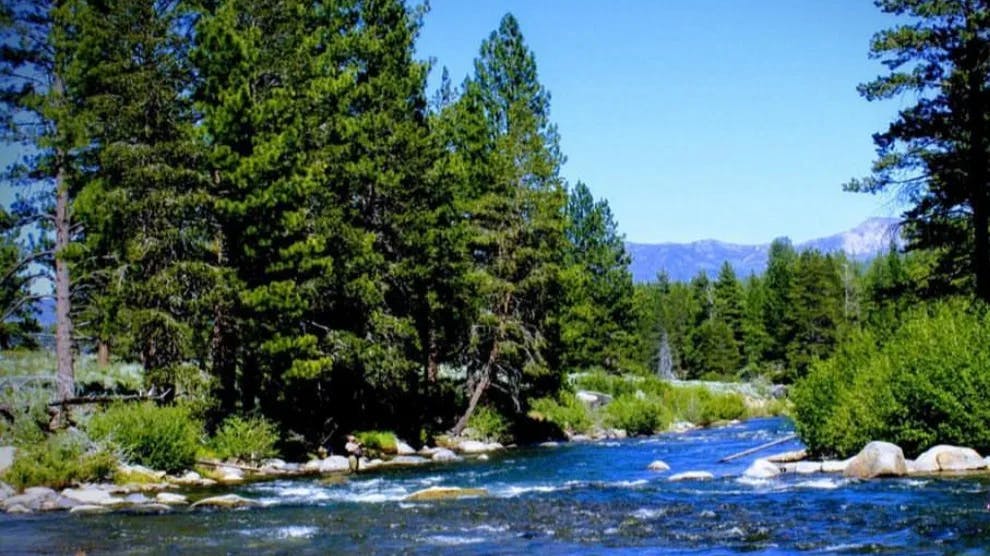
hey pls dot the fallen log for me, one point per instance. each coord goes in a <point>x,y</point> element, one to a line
<point>771,444</point>
<point>86,400</point>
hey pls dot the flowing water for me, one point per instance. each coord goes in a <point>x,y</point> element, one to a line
<point>574,498</point>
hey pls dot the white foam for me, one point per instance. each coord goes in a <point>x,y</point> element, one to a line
<point>453,540</point>
<point>823,484</point>
<point>648,513</point>
<point>513,491</point>
<point>296,532</point>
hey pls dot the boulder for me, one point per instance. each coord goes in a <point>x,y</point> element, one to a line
<point>6,491</point>
<point>948,458</point>
<point>443,454</point>
<point>137,499</point>
<point>407,460</point>
<point>445,493</point>
<point>139,474</point>
<point>877,459</point>
<point>761,469</point>
<point>171,499</point>
<point>331,464</point>
<point>192,478</point>
<point>681,426</point>
<point>549,444</point>
<point>579,438</point>
<point>89,509</point>
<point>92,496</point>
<point>788,457</point>
<point>33,499</point>
<point>403,449</point>
<point>7,454</point>
<point>803,467</point>
<point>477,447</point>
<point>483,457</point>
<point>230,475</point>
<point>18,509</point>
<point>658,465</point>
<point>835,466</point>
<point>691,476</point>
<point>227,501</point>
<point>592,399</point>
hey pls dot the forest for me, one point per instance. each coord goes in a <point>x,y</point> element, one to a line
<point>266,209</point>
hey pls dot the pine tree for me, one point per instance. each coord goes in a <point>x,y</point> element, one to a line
<point>777,281</point>
<point>936,151</point>
<point>17,277</point>
<point>815,313</point>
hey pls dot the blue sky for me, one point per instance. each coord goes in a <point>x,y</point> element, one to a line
<point>737,120</point>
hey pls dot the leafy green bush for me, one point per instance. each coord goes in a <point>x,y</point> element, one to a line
<point>618,385</point>
<point>165,438</point>
<point>252,439</point>
<point>928,384</point>
<point>687,403</point>
<point>382,441</point>
<point>637,414</point>
<point>488,424</point>
<point>59,461</point>
<point>723,407</point>
<point>566,411</point>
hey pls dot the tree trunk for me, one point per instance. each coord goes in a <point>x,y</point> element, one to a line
<point>222,343</point>
<point>102,354</point>
<point>479,389</point>
<point>432,358</point>
<point>65,376</point>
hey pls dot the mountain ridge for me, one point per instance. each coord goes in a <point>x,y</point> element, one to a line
<point>682,261</point>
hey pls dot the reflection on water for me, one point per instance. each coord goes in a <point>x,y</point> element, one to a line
<point>594,498</point>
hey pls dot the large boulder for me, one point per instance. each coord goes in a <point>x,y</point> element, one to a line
<point>477,447</point>
<point>761,469</point>
<point>877,459</point>
<point>443,454</point>
<point>38,499</point>
<point>7,454</point>
<point>171,499</point>
<point>445,493</point>
<point>227,501</point>
<point>331,464</point>
<point>92,496</point>
<point>803,467</point>
<point>403,449</point>
<point>948,458</point>
<point>835,466</point>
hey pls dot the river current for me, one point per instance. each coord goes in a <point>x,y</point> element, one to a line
<point>595,498</point>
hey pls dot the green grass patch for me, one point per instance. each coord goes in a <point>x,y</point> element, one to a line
<point>565,411</point>
<point>61,460</point>
<point>382,441</point>
<point>249,439</point>
<point>165,438</point>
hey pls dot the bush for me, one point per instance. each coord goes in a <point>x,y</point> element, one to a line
<point>637,414</point>
<point>381,441</point>
<point>60,461</point>
<point>723,407</point>
<point>928,384</point>
<point>252,439</point>
<point>165,438</point>
<point>488,424</point>
<point>566,412</point>
<point>619,385</point>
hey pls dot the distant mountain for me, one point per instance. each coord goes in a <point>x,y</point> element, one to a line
<point>682,261</point>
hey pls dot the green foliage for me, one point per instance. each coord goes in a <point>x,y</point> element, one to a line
<point>382,441</point>
<point>637,414</point>
<point>489,425</point>
<point>566,411</point>
<point>252,439</point>
<point>160,437</point>
<point>925,385</point>
<point>59,461</point>
<point>618,385</point>
<point>723,407</point>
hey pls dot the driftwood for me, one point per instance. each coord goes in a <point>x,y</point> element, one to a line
<point>787,438</point>
<point>86,400</point>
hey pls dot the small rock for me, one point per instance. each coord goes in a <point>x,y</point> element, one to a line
<point>92,496</point>
<point>443,454</point>
<point>691,476</point>
<point>483,457</point>
<point>877,459</point>
<point>226,501</point>
<point>137,499</point>
<point>403,449</point>
<point>949,458</point>
<point>89,509</point>
<point>171,498</point>
<point>7,454</point>
<point>330,464</point>
<point>140,473</point>
<point>618,434</point>
<point>550,444</point>
<point>681,426</point>
<point>579,438</point>
<point>192,478</point>
<point>787,457</point>
<point>761,469</point>
<point>445,493</point>
<point>18,509</point>
<point>658,465</point>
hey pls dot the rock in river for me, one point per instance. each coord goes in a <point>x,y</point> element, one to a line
<point>658,465</point>
<point>443,454</point>
<point>692,476</point>
<point>877,459</point>
<point>948,458</point>
<point>445,493</point>
<point>761,469</point>
<point>477,447</point>
<point>170,498</point>
<point>226,501</point>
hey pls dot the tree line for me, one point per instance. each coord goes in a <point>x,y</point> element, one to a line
<point>263,206</point>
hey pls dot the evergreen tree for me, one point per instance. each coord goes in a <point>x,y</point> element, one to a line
<point>937,150</point>
<point>17,319</point>
<point>815,313</point>
<point>777,281</point>
<point>756,341</point>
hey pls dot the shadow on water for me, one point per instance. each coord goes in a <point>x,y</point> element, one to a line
<point>592,498</point>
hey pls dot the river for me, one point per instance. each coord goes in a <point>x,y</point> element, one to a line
<point>573,498</point>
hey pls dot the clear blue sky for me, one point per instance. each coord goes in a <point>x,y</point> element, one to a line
<point>729,119</point>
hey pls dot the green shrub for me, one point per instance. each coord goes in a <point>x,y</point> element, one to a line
<point>928,384</point>
<point>723,407</point>
<point>687,403</point>
<point>382,441</point>
<point>567,412</point>
<point>165,438</point>
<point>600,381</point>
<point>488,424</point>
<point>637,414</point>
<point>59,461</point>
<point>252,439</point>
